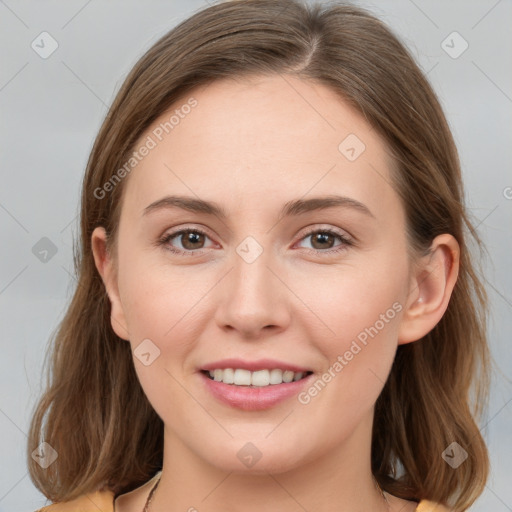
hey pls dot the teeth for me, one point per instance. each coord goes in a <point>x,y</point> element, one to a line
<point>242,377</point>
<point>287,376</point>
<point>228,376</point>
<point>259,378</point>
<point>276,376</point>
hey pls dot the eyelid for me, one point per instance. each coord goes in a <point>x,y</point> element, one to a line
<point>344,236</point>
<point>346,240</point>
<point>176,232</point>
<point>325,227</point>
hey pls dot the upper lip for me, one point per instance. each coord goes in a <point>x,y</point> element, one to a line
<point>260,364</point>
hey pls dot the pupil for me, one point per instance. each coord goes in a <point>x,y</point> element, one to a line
<point>322,237</point>
<point>192,238</point>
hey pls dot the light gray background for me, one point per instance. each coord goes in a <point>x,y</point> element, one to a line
<point>51,110</point>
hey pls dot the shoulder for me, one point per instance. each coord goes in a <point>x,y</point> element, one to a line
<point>100,500</point>
<point>430,506</point>
<point>104,501</point>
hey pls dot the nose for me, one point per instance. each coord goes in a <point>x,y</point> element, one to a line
<point>253,297</point>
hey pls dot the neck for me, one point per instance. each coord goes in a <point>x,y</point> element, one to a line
<point>338,479</point>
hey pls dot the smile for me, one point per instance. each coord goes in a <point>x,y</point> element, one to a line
<point>254,397</point>
<point>260,378</point>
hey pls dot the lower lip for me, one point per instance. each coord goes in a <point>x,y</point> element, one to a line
<point>254,398</point>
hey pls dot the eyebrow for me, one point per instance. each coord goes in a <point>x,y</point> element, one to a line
<point>291,208</point>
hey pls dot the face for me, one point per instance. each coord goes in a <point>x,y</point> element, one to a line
<point>316,289</point>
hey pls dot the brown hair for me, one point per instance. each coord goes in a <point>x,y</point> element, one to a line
<point>96,414</point>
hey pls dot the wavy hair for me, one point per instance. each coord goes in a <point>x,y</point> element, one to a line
<point>93,411</point>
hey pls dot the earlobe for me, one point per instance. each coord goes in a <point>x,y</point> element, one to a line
<point>430,289</point>
<point>106,268</point>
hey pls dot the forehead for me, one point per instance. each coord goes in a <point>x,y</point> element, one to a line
<point>249,141</point>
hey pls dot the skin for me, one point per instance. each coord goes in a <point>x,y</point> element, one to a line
<point>251,146</point>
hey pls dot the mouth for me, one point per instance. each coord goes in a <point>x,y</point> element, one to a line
<point>239,377</point>
<point>257,390</point>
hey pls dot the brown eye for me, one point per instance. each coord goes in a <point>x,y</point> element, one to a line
<point>321,239</point>
<point>191,239</point>
<point>323,242</point>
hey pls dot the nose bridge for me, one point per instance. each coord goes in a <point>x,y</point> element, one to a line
<point>252,295</point>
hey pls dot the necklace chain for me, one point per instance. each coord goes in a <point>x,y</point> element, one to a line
<point>150,497</point>
<point>151,493</point>
<point>382,494</point>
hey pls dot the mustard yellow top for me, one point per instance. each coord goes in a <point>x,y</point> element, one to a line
<point>103,501</point>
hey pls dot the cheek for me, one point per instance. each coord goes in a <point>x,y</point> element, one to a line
<point>148,311</point>
<point>162,304</point>
<point>159,308</point>
<point>352,299</point>
<point>360,312</point>
<point>154,297</point>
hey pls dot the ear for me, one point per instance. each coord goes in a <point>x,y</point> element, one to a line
<point>107,270</point>
<point>430,289</point>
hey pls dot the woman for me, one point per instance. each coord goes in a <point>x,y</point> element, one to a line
<point>210,360</point>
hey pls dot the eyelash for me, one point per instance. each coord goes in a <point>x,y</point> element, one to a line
<point>163,241</point>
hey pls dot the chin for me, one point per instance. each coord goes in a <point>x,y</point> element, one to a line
<point>258,457</point>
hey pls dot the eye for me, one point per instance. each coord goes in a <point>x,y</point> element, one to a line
<point>190,239</point>
<point>322,239</point>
